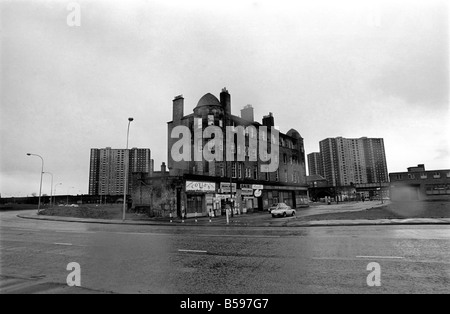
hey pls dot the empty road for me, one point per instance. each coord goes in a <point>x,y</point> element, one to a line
<point>191,260</point>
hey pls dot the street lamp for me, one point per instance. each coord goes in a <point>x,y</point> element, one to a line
<point>51,185</point>
<point>125,186</point>
<point>55,191</point>
<point>40,187</point>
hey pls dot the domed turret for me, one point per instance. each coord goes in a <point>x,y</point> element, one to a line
<point>294,134</point>
<point>208,100</point>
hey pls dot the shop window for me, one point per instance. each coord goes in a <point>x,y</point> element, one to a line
<point>437,189</point>
<point>194,204</point>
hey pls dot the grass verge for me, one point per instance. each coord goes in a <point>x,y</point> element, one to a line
<point>395,210</point>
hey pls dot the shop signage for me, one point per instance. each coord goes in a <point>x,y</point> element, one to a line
<point>194,186</point>
<point>257,187</point>
<point>246,192</point>
<point>258,193</point>
<point>225,187</point>
<point>222,196</point>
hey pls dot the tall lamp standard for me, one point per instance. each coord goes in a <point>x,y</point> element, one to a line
<point>51,187</point>
<point>381,188</point>
<point>54,202</point>
<point>127,160</point>
<point>40,187</point>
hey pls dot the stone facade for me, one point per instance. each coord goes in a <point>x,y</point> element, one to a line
<point>253,188</point>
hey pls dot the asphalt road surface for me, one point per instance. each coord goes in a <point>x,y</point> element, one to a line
<point>191,260</point>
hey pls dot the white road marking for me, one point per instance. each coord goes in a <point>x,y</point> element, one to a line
<point>381,257</point>
<point>66,244</point>
<point>74,231</point>
<point>197,235</point>
<point>192,251</point>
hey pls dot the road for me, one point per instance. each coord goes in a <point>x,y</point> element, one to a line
<point>191,260</point>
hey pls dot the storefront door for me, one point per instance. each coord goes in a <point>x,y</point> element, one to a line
<point>194,204</point>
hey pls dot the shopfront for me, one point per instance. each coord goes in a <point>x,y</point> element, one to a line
<point>248,200</point>
<point>292,196</point>
<point>199,198</point>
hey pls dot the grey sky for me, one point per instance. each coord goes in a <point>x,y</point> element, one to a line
<point>325,68</point>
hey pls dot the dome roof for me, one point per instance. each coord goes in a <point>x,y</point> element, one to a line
<point>293,133</point>
<point>208,100</point>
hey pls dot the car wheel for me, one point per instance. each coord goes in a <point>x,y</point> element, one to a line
<point>284,214</point>
<point>293,213</point>
<point>273,216</point>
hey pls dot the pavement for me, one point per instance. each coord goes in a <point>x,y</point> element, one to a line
<point>261,219</point>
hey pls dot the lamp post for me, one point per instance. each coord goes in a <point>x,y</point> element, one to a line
<point>55,191</point>
<point>51,186</point>
<point>125,185</point>
<point>381,191</point>
<point>40,186</point>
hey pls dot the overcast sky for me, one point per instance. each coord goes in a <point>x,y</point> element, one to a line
<point>325,68</point>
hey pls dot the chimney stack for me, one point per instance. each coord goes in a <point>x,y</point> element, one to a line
<point>268,121</point>
<point>248,114</point>
<point>178,108</point>
<point>163,168</point>
<point>225,101</point>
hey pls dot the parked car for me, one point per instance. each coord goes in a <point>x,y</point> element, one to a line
<point>274,206</point>
<point>283,210</point>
